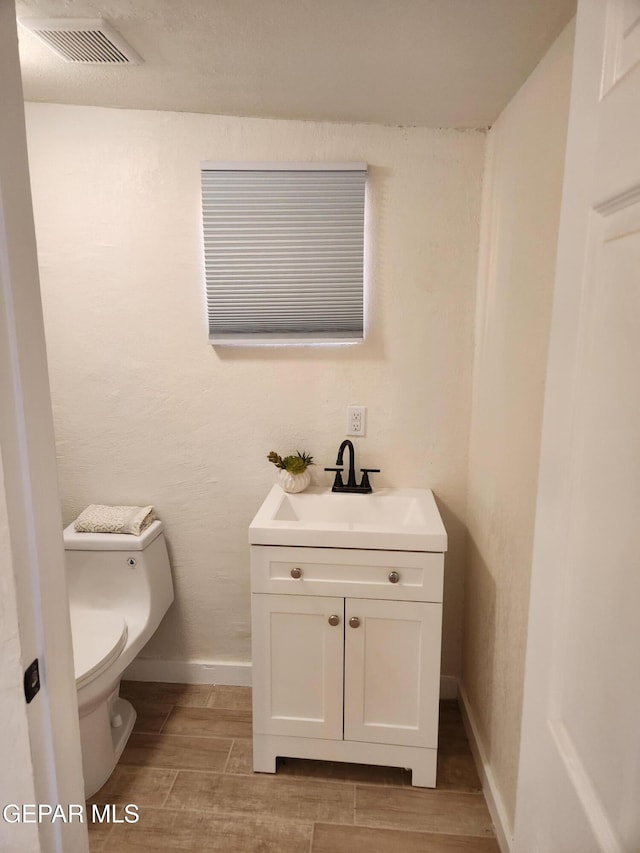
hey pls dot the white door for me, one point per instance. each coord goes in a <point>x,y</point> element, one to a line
<point>579,782</point>
<point>392,671</point>
<point>33,600</point>
<point>297,650</point>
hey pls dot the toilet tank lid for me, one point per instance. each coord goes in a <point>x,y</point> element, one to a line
<point>74,541</point>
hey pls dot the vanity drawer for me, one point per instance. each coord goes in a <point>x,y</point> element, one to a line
<point>401,575</point>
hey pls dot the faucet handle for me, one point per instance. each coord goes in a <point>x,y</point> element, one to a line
<point>365,485</point>
<point>337,483</point>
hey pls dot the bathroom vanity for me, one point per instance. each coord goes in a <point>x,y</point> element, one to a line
<point>346,628</point>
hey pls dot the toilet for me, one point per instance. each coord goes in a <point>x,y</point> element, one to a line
<point>119,588</point>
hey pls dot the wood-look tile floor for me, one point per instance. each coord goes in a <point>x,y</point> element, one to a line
<point>187,767</point>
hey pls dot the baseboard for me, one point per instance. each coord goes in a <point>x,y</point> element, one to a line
<point>448,687</point>
<point>237,673</point>
<point>504,830</point>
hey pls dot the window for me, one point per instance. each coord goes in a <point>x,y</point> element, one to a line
<point>283,247</point>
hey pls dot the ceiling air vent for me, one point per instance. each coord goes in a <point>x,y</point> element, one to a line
<point>85,40</point>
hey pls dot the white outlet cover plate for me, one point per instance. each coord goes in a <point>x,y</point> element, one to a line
<point>356,420</point>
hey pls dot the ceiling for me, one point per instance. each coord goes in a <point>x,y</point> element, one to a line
<point>435,63</point>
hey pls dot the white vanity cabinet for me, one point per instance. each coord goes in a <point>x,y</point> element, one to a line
<point>346,656</point>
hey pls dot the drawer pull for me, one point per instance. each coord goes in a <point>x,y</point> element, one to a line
<point>394,577</point>
<point>334,620</point>
<point>296,573</point>
<point>354,622</point>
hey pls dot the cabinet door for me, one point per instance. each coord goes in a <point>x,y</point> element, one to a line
<point>392,671</point>
<point>297,665</point>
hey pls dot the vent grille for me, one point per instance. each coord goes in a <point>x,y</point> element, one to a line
<point>87,41</point>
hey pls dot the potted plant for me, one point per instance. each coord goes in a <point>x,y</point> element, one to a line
<point>293,471</point>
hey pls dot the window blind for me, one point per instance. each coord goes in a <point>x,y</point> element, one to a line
<point>284,248</point>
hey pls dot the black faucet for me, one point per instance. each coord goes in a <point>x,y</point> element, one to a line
<point>351,486</point>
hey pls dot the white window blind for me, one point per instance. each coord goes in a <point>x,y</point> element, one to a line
<point>283,248</point>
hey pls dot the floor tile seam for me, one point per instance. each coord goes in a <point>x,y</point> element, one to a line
<point>170,789</point>
<point>439,792</point>
<point>200,707</point>
<point>195,770</point>
<point>208,707</point>
<point>162,686</point>
<point>302,779</point>
<point>165,767</point>
<point>230,814</point>
<point>158,700</point>
<point>226,764</point>
<point>403,829</point>
<point>191,734</point>
<point>223,814</point>
<point>197,737</point>
<point>164,722</point>
<point>458,832</point>
<point>184,734</point>
<point>405,786</point>
<point>458,791</point>
<point>376,786</point>
<point>272,777</point>
<point>225,772</point>
<point>216,714</point>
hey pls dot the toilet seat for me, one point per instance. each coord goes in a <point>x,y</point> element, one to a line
<point>98,636</point>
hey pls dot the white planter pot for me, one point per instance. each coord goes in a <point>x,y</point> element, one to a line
<point>293,483</point>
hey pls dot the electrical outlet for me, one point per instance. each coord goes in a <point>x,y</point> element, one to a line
<point>356,420</point>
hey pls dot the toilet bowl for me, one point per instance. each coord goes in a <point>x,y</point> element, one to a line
<point>119,589</point>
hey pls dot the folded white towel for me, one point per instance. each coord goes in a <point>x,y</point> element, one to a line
<point>114,519</point>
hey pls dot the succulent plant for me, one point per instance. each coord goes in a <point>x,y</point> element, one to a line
<point>294,464</point>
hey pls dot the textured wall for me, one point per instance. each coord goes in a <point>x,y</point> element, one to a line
<point>521,206</point>
<point>147,412</point>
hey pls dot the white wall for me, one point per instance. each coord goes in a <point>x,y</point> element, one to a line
<point>520,214</point>
<point>146,412</point>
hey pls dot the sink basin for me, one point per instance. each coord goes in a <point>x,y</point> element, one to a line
<point>396,519</point>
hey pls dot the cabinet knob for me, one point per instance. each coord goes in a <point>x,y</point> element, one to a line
<point>334,620</point>
<point>354,622</point>
<point>296,573</point>
<point>394,577</point>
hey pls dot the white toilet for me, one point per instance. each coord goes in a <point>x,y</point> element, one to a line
<point>119,589</point>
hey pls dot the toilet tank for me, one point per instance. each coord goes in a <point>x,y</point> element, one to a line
<point>114,571</point>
